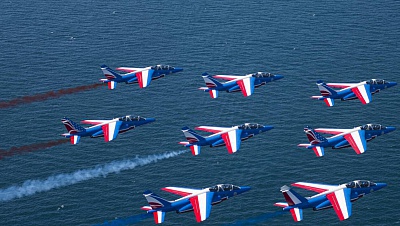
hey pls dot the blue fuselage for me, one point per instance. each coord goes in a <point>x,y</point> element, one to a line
<point>131,78</point>
<point>341,142</point>
<point>216,140</point>
<point>96,131</point>
<point>349,95</point>
<point>320,202</point>
<point>234,87</point>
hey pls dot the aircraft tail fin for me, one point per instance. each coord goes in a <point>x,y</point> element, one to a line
<point>109,73</point>
<point>324,89</point>
<point>313,136</point>
<point>155,201</point>
<point>293,198</point>
<point>71,126</point>
<point>210,81</point>
<point>191,135</point>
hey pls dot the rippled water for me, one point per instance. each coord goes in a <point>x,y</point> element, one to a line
<point>48,46</point>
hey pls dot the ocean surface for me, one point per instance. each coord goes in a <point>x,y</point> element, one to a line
<point>59,45</point>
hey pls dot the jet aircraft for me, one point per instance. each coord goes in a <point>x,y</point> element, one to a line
<point>199,201</point>
<point>350,91</point>
<point>338,197</point>
<point>357,137</point>
<point>229,136</point>
<point>108,129</point>
<point>143,76</point>
<point>245,83</point>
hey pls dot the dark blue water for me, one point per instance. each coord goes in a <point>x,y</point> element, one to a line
<point>49,46</point>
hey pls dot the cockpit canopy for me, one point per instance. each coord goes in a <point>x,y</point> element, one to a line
<point>262,75</point>
<point>162,67</point>
<point>373,127</point>
<point>360,184</point>
<point>130,118</point>
<point>224,187</point>
<point>250,126</point>
<point>377,82</point>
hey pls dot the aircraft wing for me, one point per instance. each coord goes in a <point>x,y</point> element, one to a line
<point>333,131</point>
<point>232,140</point>
<point>212,129</point>
<point>357,141</point>
<point>144,77</point>
<point>111,129</point>
<point>246,85</point>
<point>202,205</point>
<point>341,202</point>
<point>128,69</point>
<point>363,92</point>
<point>228,77</point>
<point>341,85</point>
<point>314,187</point>
<point>94,122</point>
<point>181,191</point>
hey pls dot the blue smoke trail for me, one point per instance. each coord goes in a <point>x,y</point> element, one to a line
<point>127,220</point>
<point>31,187</point>
<point>259,219</point>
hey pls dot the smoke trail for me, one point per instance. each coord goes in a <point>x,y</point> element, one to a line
<point>31,147</point>
<point>31,187</point>
<point>47,95</point>
<point>259,219</point>
<point>127,220</point>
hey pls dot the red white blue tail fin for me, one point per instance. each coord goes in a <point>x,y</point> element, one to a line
<point>293,198</point>
<point>324,89</point>
<point>210,81</point>
<point>109,73</point>
<point>313,136</point>
<point>191,136</point>
<point>71,126</point>
<point>155,202</point>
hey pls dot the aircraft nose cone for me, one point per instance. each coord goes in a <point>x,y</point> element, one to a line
<point>390,129</point>
<point>148,120</point>
<point>244,189</point>
<point>277,77</point>
<point>380,186</point>
<point>178,69</point>
<point>266,128</point>
<point>392,84</point>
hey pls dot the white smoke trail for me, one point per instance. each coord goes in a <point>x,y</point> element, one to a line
<point>31,187</point>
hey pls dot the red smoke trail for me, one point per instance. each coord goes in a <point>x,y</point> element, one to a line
<point>47,95</point>
<point>31,147</point>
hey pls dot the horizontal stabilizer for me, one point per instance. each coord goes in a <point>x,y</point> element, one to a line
<point>159,217</point>
<point>297,214</point>
<point>75,139</point>
<point>195,149</point>
<point>112,85</point>
<point>319,151</point>
<point>213,93</point>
